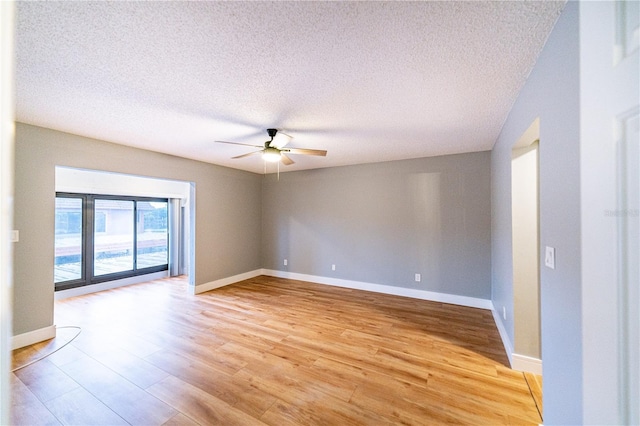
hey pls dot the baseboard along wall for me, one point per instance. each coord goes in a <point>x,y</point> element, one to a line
<point>108,285</point>
<point>25,339</point>
<point>517,361</point>
<point>212,285</point>
<point>386,289</point>
<point>526,363</point>
<point>356,285</point>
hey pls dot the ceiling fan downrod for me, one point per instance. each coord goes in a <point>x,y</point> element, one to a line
<point>272,134</point>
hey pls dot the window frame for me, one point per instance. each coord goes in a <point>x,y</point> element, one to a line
<point>88,248</point>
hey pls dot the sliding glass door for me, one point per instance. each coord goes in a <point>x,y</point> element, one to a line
<point>152,235</point>
<point>69,239</point>
<point>113,227</point>
<point>101,238</point>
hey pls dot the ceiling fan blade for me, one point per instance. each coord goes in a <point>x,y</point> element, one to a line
<point>286,160</point>
<point>280,140</point>
<point>305,151</point>
<point>245,155</point>
<point>238,143</point>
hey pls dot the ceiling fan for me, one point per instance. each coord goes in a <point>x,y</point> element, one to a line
<point>274,149</point>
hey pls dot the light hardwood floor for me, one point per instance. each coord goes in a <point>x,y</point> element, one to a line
<point>269,351</point>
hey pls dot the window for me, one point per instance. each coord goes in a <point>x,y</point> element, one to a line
<point>68,239</point>
<point>101,238</point>
<point>152,234</point>
<point>100,222</point>
<point>113,245</point>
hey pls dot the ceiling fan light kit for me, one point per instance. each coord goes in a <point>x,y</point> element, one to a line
<point>271,155</point>
<point>274,150</point>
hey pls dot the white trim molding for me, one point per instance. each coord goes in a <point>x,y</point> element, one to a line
<point>526,363</point>
<point>506,342</point>
<point>516,361</point>
<point>29,338</point>
<point>212,285</point>
<point>453,299</point>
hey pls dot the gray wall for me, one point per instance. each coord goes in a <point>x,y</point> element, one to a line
<point>551,93</point>
<point>382,223</point>
<point>227,212</point>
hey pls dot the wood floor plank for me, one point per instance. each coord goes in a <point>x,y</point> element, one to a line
<point>199,405</point>
<point>215,382</point>
<point>46,380</point>
<point>535,386</point>
<point>291,383</point>
<point>124,398</point>
<point>272,351</point>
<point>136,370</point>
<point>180,420</point>
<point>325,411</point>
<point>26,408</point>
<point>79,407</point>
<point>66,355</point>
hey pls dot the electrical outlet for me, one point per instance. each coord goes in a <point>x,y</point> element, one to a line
<point>550,257</point>
<point>504,313</point>
<point>333,267</point>
<point>285,262</point>
<point>418,278</point>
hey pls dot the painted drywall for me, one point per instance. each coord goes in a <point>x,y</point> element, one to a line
<point>526,276</point>
<point>95,182</point>
<point>552,93</point>
<point>227,204</point>
<point>383,223</point>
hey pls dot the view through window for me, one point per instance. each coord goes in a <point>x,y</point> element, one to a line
<point>68,239</point>
<point>100,238</point>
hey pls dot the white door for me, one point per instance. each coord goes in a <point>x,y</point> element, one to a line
<point>610,191</point>
<point>6,199</point>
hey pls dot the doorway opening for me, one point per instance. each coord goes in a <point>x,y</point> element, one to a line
<point>145,233</point>
<point>526,250</point>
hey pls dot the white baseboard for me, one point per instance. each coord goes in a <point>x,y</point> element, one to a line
<point>31,337</point>
<point>212,285</point>
<point>526,363</point>
<point>517,361</point>
<point>386,289</point>
<point>94,288</point>
<point>506,342</point>
<point>356,285</point>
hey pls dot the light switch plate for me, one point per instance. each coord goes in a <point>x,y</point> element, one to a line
<point>550,257</point>
<point>15,236</point>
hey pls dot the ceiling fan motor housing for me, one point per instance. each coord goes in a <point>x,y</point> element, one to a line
<point>271,154</point>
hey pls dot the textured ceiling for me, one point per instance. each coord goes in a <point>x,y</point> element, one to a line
<point>367,81</point>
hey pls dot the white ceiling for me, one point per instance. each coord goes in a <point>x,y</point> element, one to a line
<point>367,81</point>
